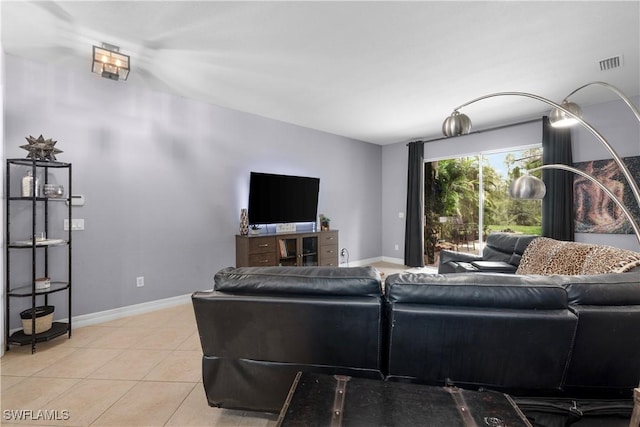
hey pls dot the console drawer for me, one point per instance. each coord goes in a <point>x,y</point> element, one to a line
<point>329,255</point>
<point>328,238</point>
<point>267,259</point>
<point>259,245</point>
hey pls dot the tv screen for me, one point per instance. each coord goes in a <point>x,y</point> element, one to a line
<point>282,198</point>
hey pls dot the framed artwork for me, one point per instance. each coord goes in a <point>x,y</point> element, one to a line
<point>595,212</point>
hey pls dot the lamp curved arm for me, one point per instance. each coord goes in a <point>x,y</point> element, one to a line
<point>625,171</point>
<point>613,89</point>
<point>608,192</point>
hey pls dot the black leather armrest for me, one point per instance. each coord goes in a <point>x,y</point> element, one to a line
<point>449,259</point>
<point>447,256</point>
<point>325,281</point>
<point>611,289</point>
<point>494,266</point>
<point>489,290</point>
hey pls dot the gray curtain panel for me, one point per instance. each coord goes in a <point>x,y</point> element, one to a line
<point>414,232</point>
<point>557,205</point>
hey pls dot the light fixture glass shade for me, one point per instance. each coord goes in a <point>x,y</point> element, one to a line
<point>560,119</point>
<point>527,187</point>
<point>110,63</point>
<point>456,124</point>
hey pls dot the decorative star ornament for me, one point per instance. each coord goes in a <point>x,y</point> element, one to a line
<point>40,148</point>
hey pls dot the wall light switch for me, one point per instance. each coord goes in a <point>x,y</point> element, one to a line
<point>400,214</point>
<point>76,224</point>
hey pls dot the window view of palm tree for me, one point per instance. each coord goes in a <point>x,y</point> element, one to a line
<point>464,202</point>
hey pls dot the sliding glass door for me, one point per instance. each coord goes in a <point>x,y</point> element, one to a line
<point>466,199</point>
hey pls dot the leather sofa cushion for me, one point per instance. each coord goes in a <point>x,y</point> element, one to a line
<point>325,281</point>
<point>496,348</point>
<point>491,290</point>
<point>604,289</point>
<point>503,242</point>
<point>521,245</point>
<point>507,247</point>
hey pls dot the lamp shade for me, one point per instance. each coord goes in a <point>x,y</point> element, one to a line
<point>456,124</point>
<point>560,119</point>
<point>527,187</point>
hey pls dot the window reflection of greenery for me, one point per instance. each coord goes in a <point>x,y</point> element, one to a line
<point>452,191</point>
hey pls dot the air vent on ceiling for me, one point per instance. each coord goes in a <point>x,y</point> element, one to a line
<point>611,63</point>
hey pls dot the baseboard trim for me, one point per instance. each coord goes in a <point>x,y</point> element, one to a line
<point>398,261</point>
<point>368,261</point>
<point>361,262</point>
<point>120,312</point>
<point>129,310</point>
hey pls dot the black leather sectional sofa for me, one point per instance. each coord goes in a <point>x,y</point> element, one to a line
<point>525,335</point>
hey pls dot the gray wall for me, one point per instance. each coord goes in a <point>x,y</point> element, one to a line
<point>612,119</point>
<point>394,194</point>
<point>165,178</point>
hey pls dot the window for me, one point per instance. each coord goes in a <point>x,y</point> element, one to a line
<point>465,202</point>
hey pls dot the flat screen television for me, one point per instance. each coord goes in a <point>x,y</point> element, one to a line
<point>275,199</point>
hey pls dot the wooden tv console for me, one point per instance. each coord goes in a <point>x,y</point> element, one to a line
<point>288,249</point>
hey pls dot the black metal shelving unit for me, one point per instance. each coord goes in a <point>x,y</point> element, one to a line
<point>39,212</point>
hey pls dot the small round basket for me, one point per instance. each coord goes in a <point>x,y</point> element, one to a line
<point>44,319</point>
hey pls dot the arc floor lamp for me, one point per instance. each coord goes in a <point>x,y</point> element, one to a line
<point>565,114</point>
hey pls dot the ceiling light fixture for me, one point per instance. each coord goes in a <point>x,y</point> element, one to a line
<point>110,63</point>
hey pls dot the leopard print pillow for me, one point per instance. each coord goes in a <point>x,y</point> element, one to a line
<point>547,256</point>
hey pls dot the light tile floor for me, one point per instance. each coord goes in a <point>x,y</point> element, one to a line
<point>142,370</point>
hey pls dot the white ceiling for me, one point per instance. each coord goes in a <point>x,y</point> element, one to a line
<point>381,72</point>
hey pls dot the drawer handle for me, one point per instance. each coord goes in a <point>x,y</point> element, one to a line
<point>264,245</point>
<point>263,261</point>
<point>329,252</point>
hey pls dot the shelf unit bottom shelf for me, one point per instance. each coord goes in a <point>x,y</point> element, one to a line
<point>57,329</point>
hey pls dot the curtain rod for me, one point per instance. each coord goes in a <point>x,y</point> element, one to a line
<point>479,131</point>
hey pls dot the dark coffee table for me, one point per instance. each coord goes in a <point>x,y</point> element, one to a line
<point>333,400</point>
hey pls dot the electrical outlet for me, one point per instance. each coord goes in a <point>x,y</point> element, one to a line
<point>140,281</point>
<point>343,252</point>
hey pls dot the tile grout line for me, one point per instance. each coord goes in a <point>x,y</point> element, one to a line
<point>181,403</point>
<point>190,343</point>
<point>135,383</point>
